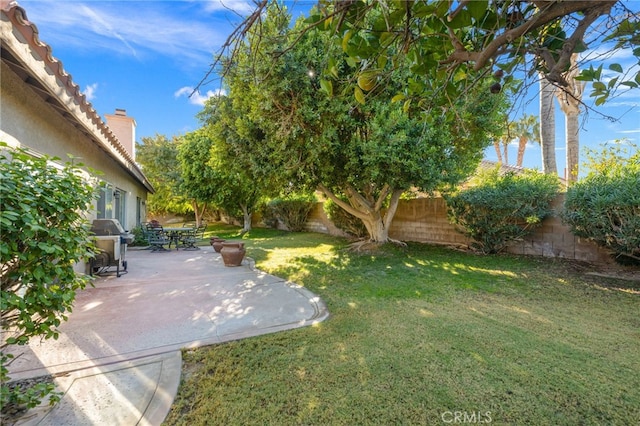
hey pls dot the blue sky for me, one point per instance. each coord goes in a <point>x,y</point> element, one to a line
<point>147,56</point>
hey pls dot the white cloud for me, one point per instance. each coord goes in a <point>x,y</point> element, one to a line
<point>137,29</point>
<point>90,91</point>
<point>197,98</point>
<point>238,6</point>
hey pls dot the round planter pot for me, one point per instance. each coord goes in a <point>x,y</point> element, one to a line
<point>216,243</point>
<point>232,253</point>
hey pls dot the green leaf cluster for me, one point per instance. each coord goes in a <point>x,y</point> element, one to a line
<point>220,166</point>
<point>158,157</point>
<point>298,123</point>
<point>455,43</point>
<point>44,234</point>
<point>604,207</point>
<point>293,210</point>
<point>502,208</point>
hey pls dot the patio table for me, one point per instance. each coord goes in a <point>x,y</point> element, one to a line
<point>179,233</point>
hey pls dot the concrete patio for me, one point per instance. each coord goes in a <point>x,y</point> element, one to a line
<point>118,357</point>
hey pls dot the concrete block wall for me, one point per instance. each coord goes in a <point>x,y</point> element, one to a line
<point>320,223</point>
<point>554,239</point>
<point>425,220</point>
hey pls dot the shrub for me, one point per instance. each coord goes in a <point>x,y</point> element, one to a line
<point>502,209</point>
<point>293,211</point>
<point>604,207</point>
<point>268,215</point>
<point>345,221</point>
<point>44,234</point>
<point>139,240</point>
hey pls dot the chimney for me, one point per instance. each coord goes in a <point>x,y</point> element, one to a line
<point>124,128</point>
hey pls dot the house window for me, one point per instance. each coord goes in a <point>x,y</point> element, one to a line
<point>138,211</point>
<point>120,198</point>
<point>104,208</point>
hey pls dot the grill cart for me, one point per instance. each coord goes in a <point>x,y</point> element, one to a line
<point>112,241</point>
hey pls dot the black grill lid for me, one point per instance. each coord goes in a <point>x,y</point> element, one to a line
<point>102,227</point>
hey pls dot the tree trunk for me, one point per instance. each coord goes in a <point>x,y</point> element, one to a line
<point>375,226</point>
<point>246,215</point>
<point>198,210</point>
<point>570,99</point>
<point>496,145</point>
<point>505,155</point>
<point>547,127</point>
<point>369,211</point>
<point>573,146</point>
<point>522,145</point>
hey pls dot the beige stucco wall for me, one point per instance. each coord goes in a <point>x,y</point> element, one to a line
<point>27,120</point>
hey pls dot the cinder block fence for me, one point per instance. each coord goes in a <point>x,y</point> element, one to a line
<point>425,220</point>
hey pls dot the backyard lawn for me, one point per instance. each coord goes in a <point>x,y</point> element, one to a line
<point>425,335</point>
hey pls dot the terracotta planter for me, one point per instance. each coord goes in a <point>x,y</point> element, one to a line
<point>216,243</point>
<point>232,253</point>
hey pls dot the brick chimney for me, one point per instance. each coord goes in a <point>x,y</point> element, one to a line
<point>124,128</point>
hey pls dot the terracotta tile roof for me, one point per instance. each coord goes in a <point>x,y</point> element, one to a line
<point>100,134</point>
<point>490,165</point>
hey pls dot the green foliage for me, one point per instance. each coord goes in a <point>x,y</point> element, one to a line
<point>475,36</point>
<point>297,122</point>
<point>198,178</point>
<point>268,215</point>
<point>139,237</point>
<point>158,157</point>
<point>502,209</point>
<point>293,210</point>
<point>44,233</point>
<point>343,220</point>
<point>604,207</point>
<point>17,396</point>
<point>235,183</point>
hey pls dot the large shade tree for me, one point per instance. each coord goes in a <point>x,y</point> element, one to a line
<point>158,157</point>
<point>197,182</point>
<point>443,37</point>
<point>236,186</point>
<point>310,130</point>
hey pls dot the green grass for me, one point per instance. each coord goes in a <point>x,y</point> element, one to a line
<point>417,334</point>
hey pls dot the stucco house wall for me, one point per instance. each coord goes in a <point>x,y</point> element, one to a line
<point>27,121</point>
<point>41,109</point>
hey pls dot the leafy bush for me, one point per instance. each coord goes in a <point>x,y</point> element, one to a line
<point>345,221</point>
<point>604,207</point>
<point>502,209</point>
<point>139,239</point>
<point>44,234</point>
<point>268,215</point>
<point>293,211</point>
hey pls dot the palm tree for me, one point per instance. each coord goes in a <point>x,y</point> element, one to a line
<point>547,126</point>
<point>502,145</point>
<point>496,145</point>
<point>570,99</point>
<point>526,129</point>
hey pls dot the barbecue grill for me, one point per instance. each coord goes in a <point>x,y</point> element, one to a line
<point>111,240</point>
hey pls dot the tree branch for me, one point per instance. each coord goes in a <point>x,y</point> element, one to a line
<point>549,11</point>
<point>393,206</point>
<point>346,206</point>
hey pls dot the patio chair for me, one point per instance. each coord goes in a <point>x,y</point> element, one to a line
<point>200,230</point>
<point>157,239</point>
<point>188,240</point>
